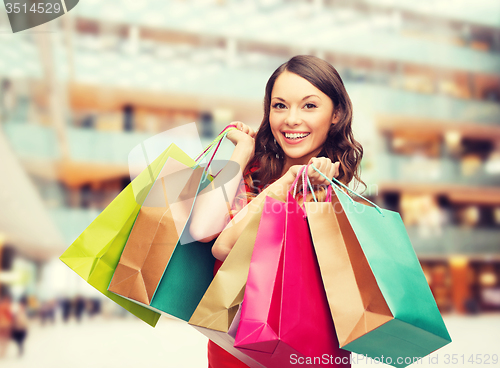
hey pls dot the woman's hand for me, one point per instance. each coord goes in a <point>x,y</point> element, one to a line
<point>244,140</point>
<point>243,134</point>
<point>200,228</point>
<point>325,165</point>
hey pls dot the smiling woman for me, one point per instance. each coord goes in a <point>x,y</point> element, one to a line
<point>307,119</point>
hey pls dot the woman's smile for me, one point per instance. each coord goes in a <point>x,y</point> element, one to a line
<point>292,137</point>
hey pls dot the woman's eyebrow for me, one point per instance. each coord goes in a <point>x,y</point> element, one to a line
<point>305,98</point>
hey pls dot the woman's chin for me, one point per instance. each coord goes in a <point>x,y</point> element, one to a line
<point>299,158</point>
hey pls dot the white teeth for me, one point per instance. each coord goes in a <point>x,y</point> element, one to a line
<point>296,135</point>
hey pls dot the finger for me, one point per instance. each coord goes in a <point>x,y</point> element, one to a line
<point>337,170</point>
<point>295,169</point>
<point>322,163</point>
<point>311,172</point>
<point>319,164</point>
<point>316,162</point>
<point>238,124</point>
<point>330,172</point>
<point>326,167</point>
<point>251,133</point>
<point>247,129</point>
<point>314,177</point>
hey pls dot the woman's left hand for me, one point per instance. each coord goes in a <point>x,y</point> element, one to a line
<point>325,165</point>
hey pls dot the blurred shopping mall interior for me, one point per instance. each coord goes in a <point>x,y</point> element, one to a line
<point>79,93</point>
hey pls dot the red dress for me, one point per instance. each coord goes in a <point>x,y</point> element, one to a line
<point>217,356</point>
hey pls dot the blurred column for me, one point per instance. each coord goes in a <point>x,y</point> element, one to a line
<point>231,52</point>
<point>69,28</point>
<point>133,40</point>
<point>7,100</point>
<point>460,282</point>
<point>58,102</point>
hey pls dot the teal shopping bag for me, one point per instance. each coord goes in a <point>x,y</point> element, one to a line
<point>380,301</point>
<point>188,273</point>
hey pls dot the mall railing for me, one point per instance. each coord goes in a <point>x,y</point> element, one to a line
<point>443,170</point>
<point>451,240</point>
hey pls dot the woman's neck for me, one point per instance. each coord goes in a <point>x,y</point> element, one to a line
<point>289,162</point>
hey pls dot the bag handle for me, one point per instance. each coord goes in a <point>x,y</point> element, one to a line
<point>217,139</point>
<point>328,194</point>
<point>302,174</point>
<point>215,143</point>
<point>337,183</point>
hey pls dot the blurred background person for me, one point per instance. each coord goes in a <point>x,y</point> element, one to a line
<point>20,324</point>
<point>6,321</point>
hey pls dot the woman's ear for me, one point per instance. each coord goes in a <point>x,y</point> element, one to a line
<point>336,117</point>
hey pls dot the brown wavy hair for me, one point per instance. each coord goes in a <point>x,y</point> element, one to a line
<point>340,144</point>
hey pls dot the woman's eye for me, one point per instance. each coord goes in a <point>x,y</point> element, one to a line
<point>310,106</point>
<point>279,105</point>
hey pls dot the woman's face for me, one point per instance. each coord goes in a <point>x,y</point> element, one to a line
<point>300,117</point>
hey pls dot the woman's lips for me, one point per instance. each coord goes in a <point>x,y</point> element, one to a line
<point>294,140</point>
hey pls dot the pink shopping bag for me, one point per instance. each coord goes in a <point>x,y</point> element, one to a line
<point>285,318</point>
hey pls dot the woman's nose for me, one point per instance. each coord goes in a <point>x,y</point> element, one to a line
<point>293,117</point>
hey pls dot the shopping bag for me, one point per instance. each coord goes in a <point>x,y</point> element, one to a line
<point>96,252</point>
<point>378,295</point>
<point>189,270</point>
<point>159,268</point>
<point>260,324</point>
<point>217,315</point>
<point>162,266</point>
<point>151,242</point>
<point>285,317</point>
<point>224,295</point>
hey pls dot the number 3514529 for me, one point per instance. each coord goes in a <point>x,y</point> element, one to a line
<point>47,8</point>
<point>471,359</point>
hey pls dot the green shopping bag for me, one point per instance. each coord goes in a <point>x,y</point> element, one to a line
<point>177,268</point>
<point>380,301</point>
<point>96,252</point>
